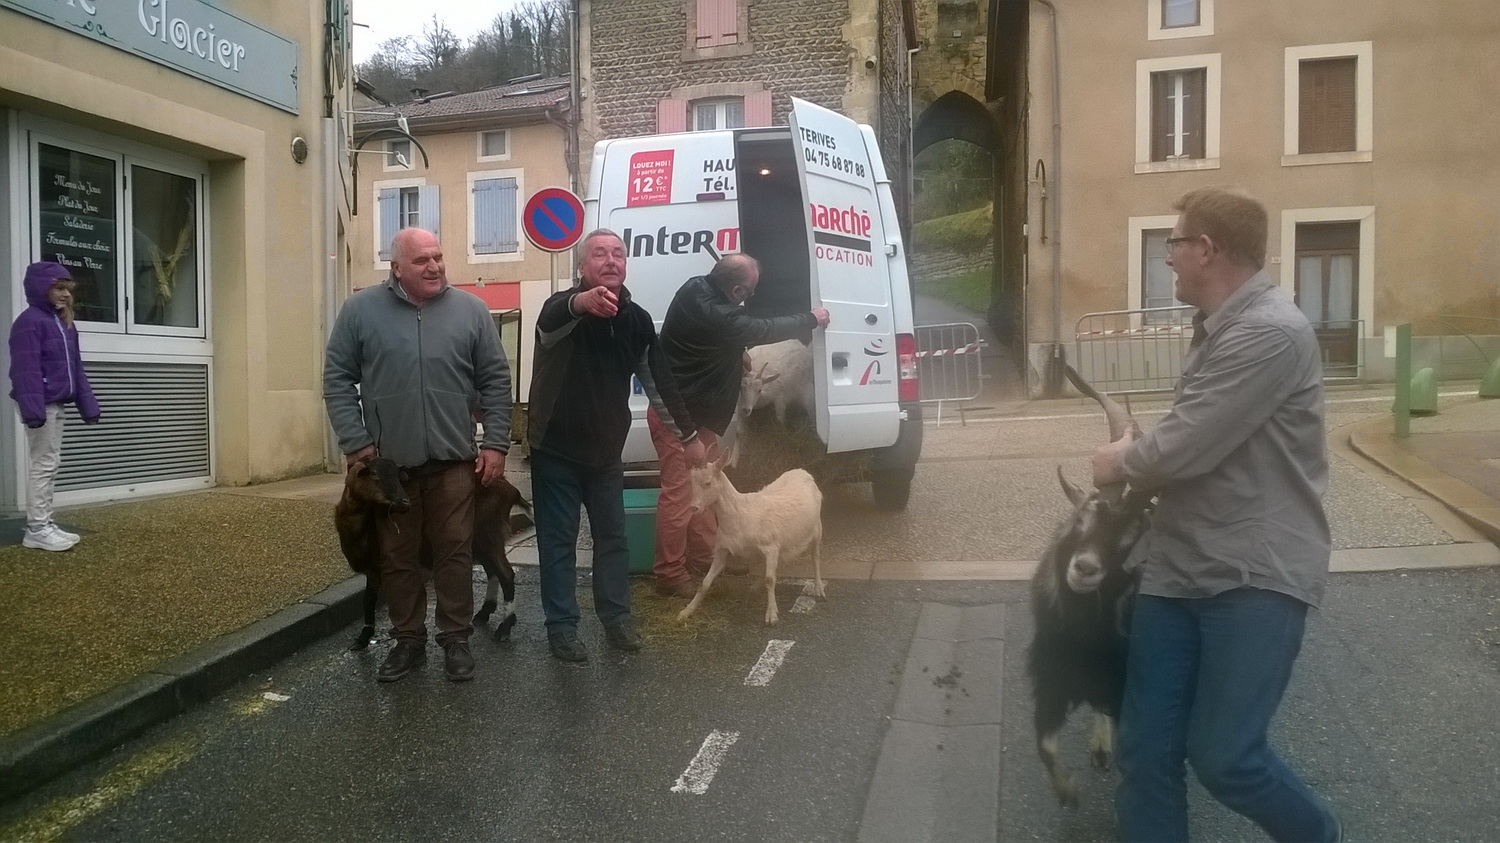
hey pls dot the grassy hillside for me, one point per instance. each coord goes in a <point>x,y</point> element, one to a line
<point>968,231</point>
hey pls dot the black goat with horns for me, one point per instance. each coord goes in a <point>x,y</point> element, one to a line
<point>1080,604</point>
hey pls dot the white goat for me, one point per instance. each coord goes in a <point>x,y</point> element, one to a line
<point>783,519</point>
<point>786,374</point>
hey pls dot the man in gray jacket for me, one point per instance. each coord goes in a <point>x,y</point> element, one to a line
<point>423,356</point>
<point>1237,550</point>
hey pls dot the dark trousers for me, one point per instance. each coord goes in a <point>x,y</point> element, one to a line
<point>1204,679</point>
<point>558,488</point>
<point>442,512</point>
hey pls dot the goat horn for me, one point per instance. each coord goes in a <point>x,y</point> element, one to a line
<point>1120,420</point>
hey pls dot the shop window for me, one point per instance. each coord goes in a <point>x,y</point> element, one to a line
<point>149,281</point>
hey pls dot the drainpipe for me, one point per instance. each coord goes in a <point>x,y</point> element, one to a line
<point>911,147</point>
<point>1052,378</point>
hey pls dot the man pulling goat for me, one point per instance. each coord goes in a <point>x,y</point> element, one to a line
<point>704,337</point>
<point>1238,546</point>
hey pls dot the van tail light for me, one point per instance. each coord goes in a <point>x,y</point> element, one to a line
<point>906,361</point>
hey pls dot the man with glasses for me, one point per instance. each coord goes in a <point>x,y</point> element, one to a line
<point>1238,546</point>
<point>704,337</point>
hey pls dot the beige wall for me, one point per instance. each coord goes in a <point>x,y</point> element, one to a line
<point>536,159</point>
<point>1431,178</point>
<point>266,218</point>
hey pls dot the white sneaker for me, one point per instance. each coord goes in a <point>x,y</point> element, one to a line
<point>72,537</point>
<point>47,538</point>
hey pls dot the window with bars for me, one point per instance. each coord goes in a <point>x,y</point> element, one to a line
<point>1327,105</point>
<point>1178,125</point>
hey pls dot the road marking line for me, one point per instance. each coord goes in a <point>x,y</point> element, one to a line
<point>701,770</point>
<point>770,660</point>
<point>803,605</point>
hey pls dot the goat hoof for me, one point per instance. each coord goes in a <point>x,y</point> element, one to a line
<point>363,639</point>
<point>502,632</point>
<point>684,614</point>
<point>1067,795</point>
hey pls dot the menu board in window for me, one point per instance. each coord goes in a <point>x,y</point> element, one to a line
<point>76,194</point>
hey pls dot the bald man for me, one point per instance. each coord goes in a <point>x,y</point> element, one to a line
<point>417,409</point>
<point>704,336</point>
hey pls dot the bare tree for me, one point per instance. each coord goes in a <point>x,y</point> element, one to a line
<point>438,48</point>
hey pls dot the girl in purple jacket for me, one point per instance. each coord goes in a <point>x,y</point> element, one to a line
<point>46,372</point>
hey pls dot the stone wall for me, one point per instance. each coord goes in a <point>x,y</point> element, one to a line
<point>638,55</point>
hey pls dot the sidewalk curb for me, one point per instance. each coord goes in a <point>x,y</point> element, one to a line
<point>38,753</point>
<point>1374,440</point>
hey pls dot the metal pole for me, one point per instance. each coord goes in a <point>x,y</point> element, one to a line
<point>552,277</point>
<point>1403,381</point>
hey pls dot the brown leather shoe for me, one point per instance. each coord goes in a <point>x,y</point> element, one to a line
<point>404,657</point>
<point>684,589</point>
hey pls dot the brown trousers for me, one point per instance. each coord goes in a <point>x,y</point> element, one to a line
<point>442,513</point>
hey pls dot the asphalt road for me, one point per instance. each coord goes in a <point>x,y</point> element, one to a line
<point>1390,714</point>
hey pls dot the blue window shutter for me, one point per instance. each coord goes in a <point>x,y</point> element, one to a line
<point>389,200</point>
<point>427,208</point>
<point>495,216</point>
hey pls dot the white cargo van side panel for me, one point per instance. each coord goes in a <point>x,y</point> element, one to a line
<point>855,367</point>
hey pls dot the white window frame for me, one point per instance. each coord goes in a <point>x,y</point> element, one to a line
<point>116,337</point>
<point>1362,214</point>
<point>500,257</point>
<point>1210,62</point>
<point>479,146</point>
<point>388,161</point>
<point>384,266</point>
<point>720,112</point>
<point>1364,103</point>
<point>1156,32</point>
<point>1135,282</point>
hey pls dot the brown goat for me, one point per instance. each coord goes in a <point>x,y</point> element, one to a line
<point>373,490</point>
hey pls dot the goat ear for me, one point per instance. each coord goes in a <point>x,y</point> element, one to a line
<point>1076,495</point>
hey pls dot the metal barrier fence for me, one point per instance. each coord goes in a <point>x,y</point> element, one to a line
<point>1128,351</point>
<point>1132,350</point>
<point>949,364</point>
<point>1466,345</point>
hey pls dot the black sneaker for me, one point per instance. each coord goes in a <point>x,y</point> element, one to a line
<point>458,662</point>
<point>622,635</point>
<point>406,655</point>
<point>566,646</point>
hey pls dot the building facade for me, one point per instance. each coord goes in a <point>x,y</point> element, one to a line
<point>465,171</point>
<point>1365,128</point>
<point>660,66</point>
<point>189,162</point>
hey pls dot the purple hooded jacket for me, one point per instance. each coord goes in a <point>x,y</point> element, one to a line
<point>45,364</point>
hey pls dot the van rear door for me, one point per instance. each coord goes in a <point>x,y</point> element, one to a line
<point>854,359</point>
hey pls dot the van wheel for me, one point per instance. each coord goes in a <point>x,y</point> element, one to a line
<point>891,491</point>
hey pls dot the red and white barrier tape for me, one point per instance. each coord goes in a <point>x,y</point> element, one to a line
<point>972,348</point>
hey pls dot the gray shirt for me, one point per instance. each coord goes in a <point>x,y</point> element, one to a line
<point>1240,462</point>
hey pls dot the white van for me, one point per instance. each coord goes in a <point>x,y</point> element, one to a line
<point>812,203</point>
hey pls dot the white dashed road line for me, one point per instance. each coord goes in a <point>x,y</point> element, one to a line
<point>770,660</point>
<point>705,765</point>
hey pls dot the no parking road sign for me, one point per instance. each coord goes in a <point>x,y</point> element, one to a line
<point>553,219</point>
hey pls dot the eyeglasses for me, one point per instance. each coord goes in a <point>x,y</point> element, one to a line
<point>1173,242</point>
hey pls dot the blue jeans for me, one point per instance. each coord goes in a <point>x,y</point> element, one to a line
<point>558,488</point>
<point>1205,677</point>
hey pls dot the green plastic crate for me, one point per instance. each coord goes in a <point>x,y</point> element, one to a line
<point>640,528</point>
